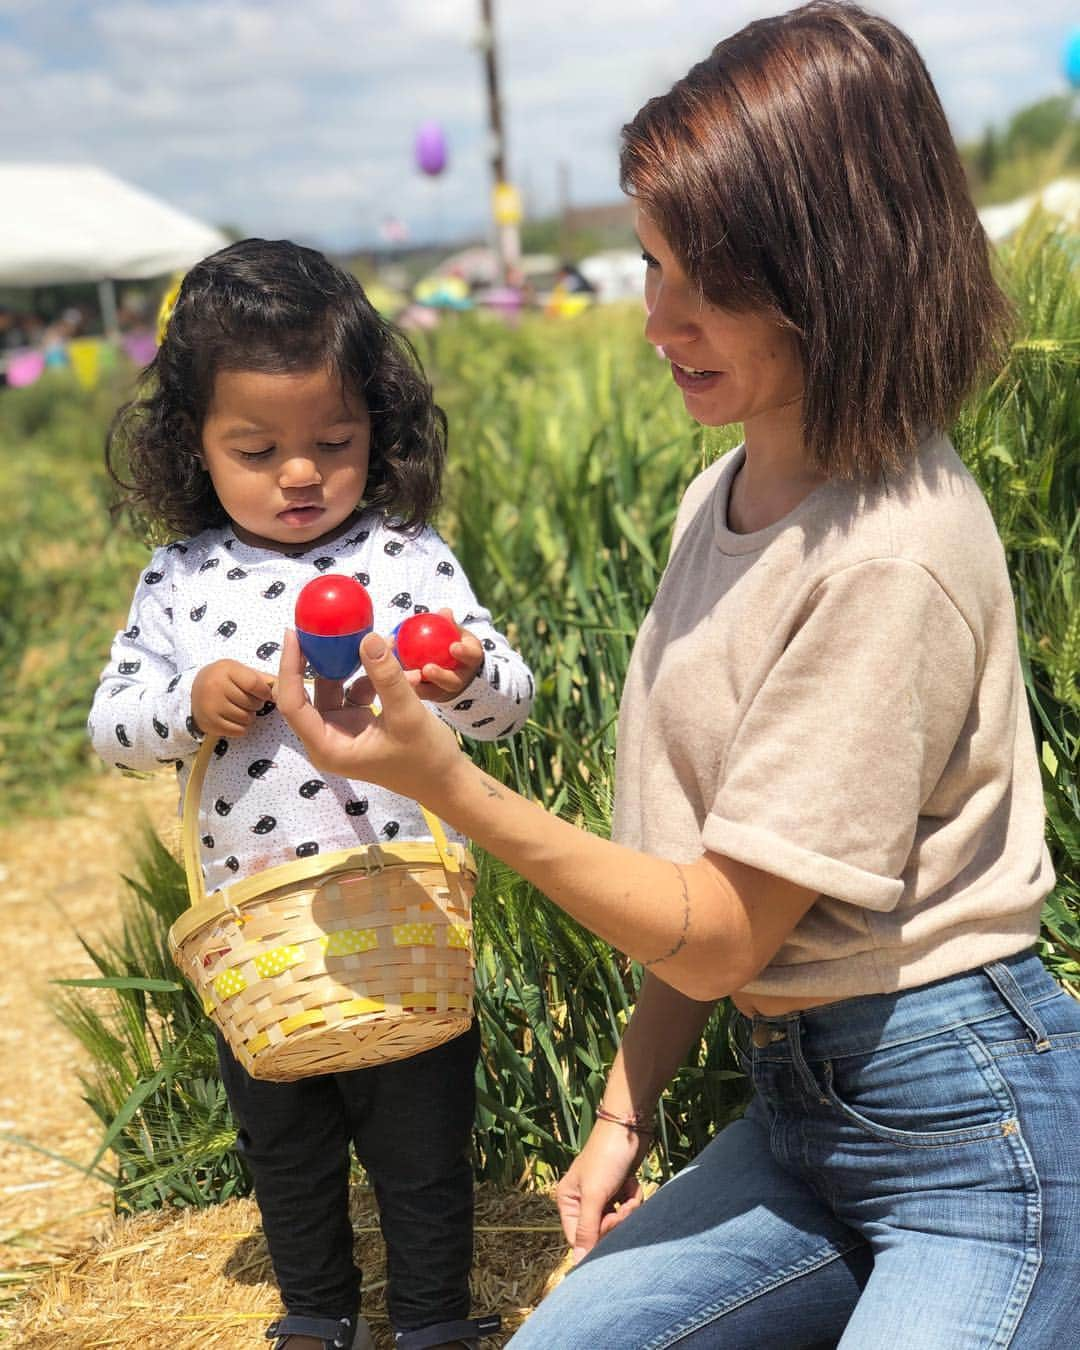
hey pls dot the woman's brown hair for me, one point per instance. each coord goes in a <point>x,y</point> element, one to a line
<point>805,170</point>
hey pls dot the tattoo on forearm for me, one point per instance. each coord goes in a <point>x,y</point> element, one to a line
<point>491,788</point>
<point>680,941</point>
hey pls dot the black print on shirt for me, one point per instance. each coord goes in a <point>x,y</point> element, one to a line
<point>402,600</point>
<point>263,825</point>
<point>198,614</point>
<point>122,736</point>
<point>445,569</point>
<point>210,563</point>
<point>221,746</point>
<point>208,841</point>
<point>226,629</point>
<point>152,578</point>
<point>232,863</point>
<point>393,547</point>
<point>161,729</point>
<point>132,633</point>
<point>358,807</point>
<point>273,590</point>
<point>258,767</point>
<point>311,788</point>
<point>362,578</point>
<point>222,807</point>
<point>236,574</point>
<point>267,650</point>
<point>128,667</point>
<point>390,829</point>
<point>323,564</point>
<point>307,850</point>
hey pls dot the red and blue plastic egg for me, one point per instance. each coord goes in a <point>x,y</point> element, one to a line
<point>333,613</point>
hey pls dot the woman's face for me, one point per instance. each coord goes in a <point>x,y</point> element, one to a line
<point>731,366</point>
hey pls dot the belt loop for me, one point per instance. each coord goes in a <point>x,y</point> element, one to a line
<point>1014,996</point>
<point>798,1059</point>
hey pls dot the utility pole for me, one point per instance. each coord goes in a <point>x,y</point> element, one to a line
<point>506,202</point>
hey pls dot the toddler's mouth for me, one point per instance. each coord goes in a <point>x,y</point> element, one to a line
<point>300,515</point>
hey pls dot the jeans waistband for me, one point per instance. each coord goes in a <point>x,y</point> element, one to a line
<point>857,1026</point>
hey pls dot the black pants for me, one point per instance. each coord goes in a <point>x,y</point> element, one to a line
<point>410,1122</point>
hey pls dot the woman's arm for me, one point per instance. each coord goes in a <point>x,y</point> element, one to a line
<point>705,928</point>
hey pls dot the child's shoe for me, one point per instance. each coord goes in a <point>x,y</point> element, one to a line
<point>464,1334</point>
<point>293,1332</point>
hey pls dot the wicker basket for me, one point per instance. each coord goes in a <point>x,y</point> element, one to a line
<point>334,962</point>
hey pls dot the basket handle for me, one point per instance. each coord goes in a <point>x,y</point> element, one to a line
<point>189,827</point>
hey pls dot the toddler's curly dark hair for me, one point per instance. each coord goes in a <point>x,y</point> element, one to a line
<point>275,307</point>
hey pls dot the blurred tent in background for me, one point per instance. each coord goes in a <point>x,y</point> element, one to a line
<point>1059,198</point>
<point>64,223</point>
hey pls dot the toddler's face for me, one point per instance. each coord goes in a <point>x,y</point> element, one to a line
<point>287,454</point>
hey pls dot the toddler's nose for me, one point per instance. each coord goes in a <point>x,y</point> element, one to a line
<point>300,471</point>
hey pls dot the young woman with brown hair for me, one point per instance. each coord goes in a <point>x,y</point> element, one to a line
<point>828,803</point>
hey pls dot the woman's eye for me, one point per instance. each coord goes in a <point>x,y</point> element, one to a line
<point>649,260</point>
<point>336,445</point>
<point>257,454</point>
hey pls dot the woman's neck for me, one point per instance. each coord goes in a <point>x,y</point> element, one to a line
<point>776,473</point>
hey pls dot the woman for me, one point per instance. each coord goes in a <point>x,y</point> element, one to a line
<point>828,803</point>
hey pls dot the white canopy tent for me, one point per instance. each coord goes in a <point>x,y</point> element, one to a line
<point>63,223</point>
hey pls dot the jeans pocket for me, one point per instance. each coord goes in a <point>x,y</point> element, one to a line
<point>935,1092</point>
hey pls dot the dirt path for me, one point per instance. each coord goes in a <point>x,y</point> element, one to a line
<point>59,878</point>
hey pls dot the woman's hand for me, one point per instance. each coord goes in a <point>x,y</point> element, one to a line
<point>404,748</point>
<point>600,1188</point>
<point>226,695</point>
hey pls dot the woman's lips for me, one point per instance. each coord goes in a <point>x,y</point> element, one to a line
<point>300,515</point>
<point>695,382</point>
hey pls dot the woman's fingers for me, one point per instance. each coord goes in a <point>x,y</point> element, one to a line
<point>387,679</point>
<point>292,700</point>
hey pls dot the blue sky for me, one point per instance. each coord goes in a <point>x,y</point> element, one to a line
<point>298,117</point>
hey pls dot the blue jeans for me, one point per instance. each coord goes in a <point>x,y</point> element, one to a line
<point>907,1177</point>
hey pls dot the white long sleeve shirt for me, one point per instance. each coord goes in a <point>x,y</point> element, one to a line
<point>214,597</point>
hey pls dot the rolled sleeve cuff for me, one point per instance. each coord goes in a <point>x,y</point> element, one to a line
<point>768,852</point>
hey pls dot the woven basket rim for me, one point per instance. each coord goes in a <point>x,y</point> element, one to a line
<point>321,868</point>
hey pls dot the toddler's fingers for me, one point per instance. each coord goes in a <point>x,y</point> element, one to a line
<point>329,694</point>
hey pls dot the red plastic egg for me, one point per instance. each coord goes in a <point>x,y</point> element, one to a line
<point>333,605</point>
<point>424,639</point>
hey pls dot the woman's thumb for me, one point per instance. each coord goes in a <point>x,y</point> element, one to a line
<point>587,1231</point>
<point>383,670</point>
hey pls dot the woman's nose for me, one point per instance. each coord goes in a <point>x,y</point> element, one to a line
<point>671,317</point>
<point>299,471</point>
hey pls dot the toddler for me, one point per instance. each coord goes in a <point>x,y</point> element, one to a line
<point>286,430</point>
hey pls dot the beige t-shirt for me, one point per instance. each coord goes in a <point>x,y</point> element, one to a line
<point>837,699</point>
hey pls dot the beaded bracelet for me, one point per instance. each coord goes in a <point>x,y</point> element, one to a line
<point>634,1122</point>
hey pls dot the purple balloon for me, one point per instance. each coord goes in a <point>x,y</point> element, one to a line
<point>431,148</point>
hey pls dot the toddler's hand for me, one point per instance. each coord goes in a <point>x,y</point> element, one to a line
<point>439,685</point>
<point>226,695</point>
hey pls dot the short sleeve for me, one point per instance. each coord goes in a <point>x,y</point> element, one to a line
<point>846,736</point>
